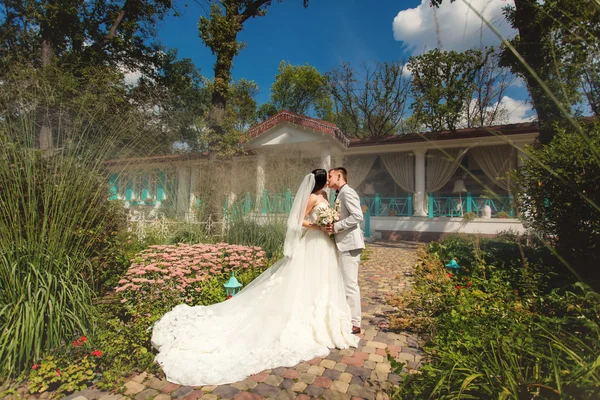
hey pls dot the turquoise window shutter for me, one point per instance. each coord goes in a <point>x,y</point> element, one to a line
<point>145,191</point>
<point>129,189</point>
<point>114,186</point>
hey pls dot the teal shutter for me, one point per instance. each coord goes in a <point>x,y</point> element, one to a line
<point>145,191</point>
<point>114,186</point>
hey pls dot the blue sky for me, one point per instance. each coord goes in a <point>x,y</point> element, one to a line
<point>331,31</point>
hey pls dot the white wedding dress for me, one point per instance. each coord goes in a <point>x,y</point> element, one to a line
<point>293,312</point>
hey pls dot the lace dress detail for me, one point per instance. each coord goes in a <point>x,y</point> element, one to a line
<point>293,312</point>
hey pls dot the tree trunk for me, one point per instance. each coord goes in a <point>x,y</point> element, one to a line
<point>222,70</point>
<point>531,47</point>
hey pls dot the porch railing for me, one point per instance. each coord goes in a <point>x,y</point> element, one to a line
<point>376,206</point>
<point>387,206</point>
<point>456,206</point>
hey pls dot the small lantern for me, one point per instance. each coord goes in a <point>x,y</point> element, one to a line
<point>232,287</point>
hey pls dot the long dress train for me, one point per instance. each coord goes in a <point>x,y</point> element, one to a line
<point>295,311</point>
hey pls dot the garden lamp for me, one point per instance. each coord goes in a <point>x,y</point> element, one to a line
<point>232,287</point>
<point>453,265</point>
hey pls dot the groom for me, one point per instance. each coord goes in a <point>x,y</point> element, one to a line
<point>348,238</point>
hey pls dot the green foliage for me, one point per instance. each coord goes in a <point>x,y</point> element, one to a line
<point>78,33</point>
<point>57,232</point>
<point>490,335</point>
<point>219,33</point>
<point>126,342</point>
<point>556,55</point>
<point>301,89</point>
<point>71,370</point>
<point>559,196</point>
<point>124,329</point>
<point>270,235</point>
<point>442,86</point>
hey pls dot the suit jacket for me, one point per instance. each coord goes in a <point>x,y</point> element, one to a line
<point>348,235</point>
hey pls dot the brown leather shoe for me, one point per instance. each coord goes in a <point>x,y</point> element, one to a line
<point>356,330</point>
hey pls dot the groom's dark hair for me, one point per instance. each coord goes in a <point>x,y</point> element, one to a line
<point>342,171</point>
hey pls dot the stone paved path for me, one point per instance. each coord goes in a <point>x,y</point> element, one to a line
<point>344,374</point>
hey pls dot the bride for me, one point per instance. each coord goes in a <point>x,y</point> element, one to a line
<point>294,311</point>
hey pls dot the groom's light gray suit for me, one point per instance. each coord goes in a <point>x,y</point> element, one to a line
<point>350,243</point>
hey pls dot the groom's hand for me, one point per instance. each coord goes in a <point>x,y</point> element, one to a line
<point>330,228</point>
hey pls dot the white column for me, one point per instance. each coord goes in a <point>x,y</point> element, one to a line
<point>520,154</point>
<point>419,199</point>
<point>183,190</point>
<point>260,178</point>
<point>193,184</point>
<point>233,182</point>
<point>326,157</point>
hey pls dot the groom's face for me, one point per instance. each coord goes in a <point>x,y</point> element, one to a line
<point>333,179</point>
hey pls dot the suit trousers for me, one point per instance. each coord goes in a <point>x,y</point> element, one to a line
<point>350,260</point>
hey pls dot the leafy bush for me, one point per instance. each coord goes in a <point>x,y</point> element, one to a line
<point>484,339</point>
<point>559,196</point>
<point>67,373</point>
<point>58,242</point>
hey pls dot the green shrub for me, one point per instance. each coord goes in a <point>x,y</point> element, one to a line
<point>249,231</point>
<point>559,196</point>
<point>72,369</point>
<point>58,238</point>
<point>484,339</point>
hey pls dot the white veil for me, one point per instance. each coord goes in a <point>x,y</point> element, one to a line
<point>294,222</point>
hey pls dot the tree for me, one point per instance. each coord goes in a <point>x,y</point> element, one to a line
<point>550,42</point>
<point>266,111</point>
<point>242,107</point>
<point>301,89</point>
<point>175,97</point>
<point>75,34</point>
<point>442,86</point>
<point>490,84</point>
<point>371,105</point>
<point>559,195</point>
<point>219,32</point>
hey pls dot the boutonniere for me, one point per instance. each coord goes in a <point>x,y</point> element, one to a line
<point>336,205</point>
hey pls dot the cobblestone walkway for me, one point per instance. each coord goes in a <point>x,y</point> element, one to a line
<point>345,374</point>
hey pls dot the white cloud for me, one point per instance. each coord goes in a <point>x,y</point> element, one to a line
<point>457,27</point>
<point>517,110</point>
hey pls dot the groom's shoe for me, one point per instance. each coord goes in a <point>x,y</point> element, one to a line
<point>356,330</point>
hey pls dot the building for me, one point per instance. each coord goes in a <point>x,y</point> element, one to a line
<point>415,186</point>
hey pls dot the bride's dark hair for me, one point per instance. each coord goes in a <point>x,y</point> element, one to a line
<point>320,179</point>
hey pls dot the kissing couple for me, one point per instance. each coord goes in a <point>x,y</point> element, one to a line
<point>301,307</point>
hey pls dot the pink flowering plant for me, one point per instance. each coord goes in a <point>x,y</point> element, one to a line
<point>165,275</point>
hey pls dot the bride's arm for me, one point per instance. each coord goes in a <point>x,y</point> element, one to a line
<point>312,201</point>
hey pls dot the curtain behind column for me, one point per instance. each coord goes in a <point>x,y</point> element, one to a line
<point>401,167</point>
<point>441,165</point>
<point>358,167</point>
<point>496,161</point>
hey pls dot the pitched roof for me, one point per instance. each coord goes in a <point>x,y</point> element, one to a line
<point>325,127</point>
<point>466,133</point>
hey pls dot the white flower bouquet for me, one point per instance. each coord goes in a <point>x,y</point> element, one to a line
<point>327,216</point>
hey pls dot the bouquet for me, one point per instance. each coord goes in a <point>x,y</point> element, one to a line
<point>327,216</point>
